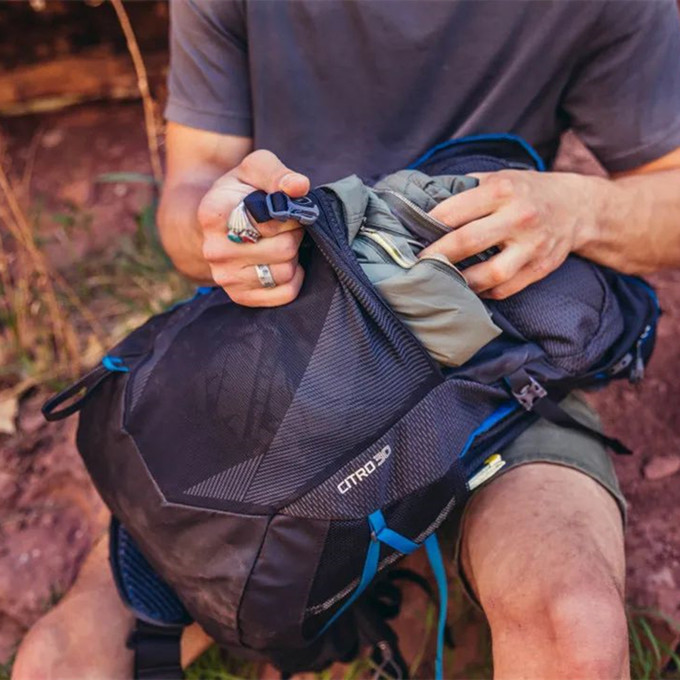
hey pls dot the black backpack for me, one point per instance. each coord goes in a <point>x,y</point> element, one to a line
<point>267,465</point>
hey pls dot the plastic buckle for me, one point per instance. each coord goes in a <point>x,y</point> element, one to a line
<point>530,393</point>
<point>302,210</point>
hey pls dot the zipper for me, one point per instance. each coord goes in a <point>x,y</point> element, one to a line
<point>425,226</point>
<point>389,251</point>
<point>414,243</point>
<point>389,247</point>
<point>415,218</point>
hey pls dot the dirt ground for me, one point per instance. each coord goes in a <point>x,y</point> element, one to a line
<point>49,512</point>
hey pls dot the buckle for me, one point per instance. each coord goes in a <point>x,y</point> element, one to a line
<point>530,393</point>
<point>302,209</point>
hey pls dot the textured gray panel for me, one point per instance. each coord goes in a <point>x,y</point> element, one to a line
<point>230,484</point>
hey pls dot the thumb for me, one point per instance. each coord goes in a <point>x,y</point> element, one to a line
<point>263,170</point>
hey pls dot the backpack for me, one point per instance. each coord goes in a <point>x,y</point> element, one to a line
<point>266,466</point>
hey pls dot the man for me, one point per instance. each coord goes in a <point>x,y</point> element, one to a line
<point>331,88</point>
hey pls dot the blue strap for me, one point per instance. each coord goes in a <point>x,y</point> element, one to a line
<point>370,570</point>
<point>434,555</point>
<point>114,364</point>
<point>388,536</point>
<point>381,533</point>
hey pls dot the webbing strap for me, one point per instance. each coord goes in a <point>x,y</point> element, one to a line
<point>434,555</point>
<point>381,533</point>
<point>157,651</point>
<point>385,535</point>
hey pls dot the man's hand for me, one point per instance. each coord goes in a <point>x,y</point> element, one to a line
<point>535,218</point>
<point>232,265</point>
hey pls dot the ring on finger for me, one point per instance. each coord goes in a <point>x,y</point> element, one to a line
<point>264,275</point>
<point>240,227</point>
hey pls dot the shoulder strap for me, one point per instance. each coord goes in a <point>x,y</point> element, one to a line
<point>157,651</point>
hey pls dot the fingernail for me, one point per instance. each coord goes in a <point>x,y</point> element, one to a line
<point>290,179</point>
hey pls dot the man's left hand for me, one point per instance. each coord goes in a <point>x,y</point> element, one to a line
<point>534,218</point>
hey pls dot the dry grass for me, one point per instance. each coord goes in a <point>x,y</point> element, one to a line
<point>47,332</point>
<point>32,313</point>
<point>150,108</point>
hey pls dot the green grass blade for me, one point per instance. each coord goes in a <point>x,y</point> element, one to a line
<point>125,178</point>
<point>651,637</point>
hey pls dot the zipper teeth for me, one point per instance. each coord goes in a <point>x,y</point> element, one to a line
<point>392,251</point>
<point>416,208</point>
<point>394,254</point>
<point>376,249</point>
<point>413,242</point>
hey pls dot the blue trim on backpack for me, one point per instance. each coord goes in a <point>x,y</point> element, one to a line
<point>540,163</point>
<point>112,363</point>
<point>434,555</point>
<point>203,290</point>
<point>636,280</point>
<point>491,420</point>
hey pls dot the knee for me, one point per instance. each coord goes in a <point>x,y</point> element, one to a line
<point>590,629</point>
<point>582,622</point>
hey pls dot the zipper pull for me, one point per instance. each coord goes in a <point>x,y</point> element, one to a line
<point>282,207</point>
<point>637,371</point>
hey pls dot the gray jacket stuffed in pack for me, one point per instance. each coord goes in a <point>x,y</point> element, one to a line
<point>388,226</point>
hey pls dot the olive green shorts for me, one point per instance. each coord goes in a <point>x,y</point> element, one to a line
<point>545,442</point>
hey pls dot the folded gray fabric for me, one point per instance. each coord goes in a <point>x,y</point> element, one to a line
<point>387,227</point>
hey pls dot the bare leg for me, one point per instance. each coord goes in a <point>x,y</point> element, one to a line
<point>84,636</point>
<point>543,550</point>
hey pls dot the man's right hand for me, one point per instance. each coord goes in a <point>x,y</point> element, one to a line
<point>232,265</point>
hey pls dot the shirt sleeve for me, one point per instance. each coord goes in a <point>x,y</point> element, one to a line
<point>208,85</point>
<point>623,100</point>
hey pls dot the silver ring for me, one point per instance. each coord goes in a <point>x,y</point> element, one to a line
<point>240,227</point>
<point>264,275</point>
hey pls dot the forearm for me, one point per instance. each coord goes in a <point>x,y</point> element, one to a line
<point>631,224</point>
<point>179,229</point>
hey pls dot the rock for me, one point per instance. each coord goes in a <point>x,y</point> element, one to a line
<point>52,138</point>
<point>9,410</point>
<point>77,193</point>
<point>662,579</point>
<point>660,467</point>
<point>8,486</point>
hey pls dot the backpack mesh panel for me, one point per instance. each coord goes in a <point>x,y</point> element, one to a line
<point>342,560</point>
<point>581,322</point>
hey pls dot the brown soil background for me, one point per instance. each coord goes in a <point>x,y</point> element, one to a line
<point>49,512</point>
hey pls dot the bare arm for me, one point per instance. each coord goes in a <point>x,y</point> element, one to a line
<point>637,219</point>
<point>630,223</point>
<point>195,160</point>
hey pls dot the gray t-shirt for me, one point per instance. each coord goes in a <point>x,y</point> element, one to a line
<point>365,86</point>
